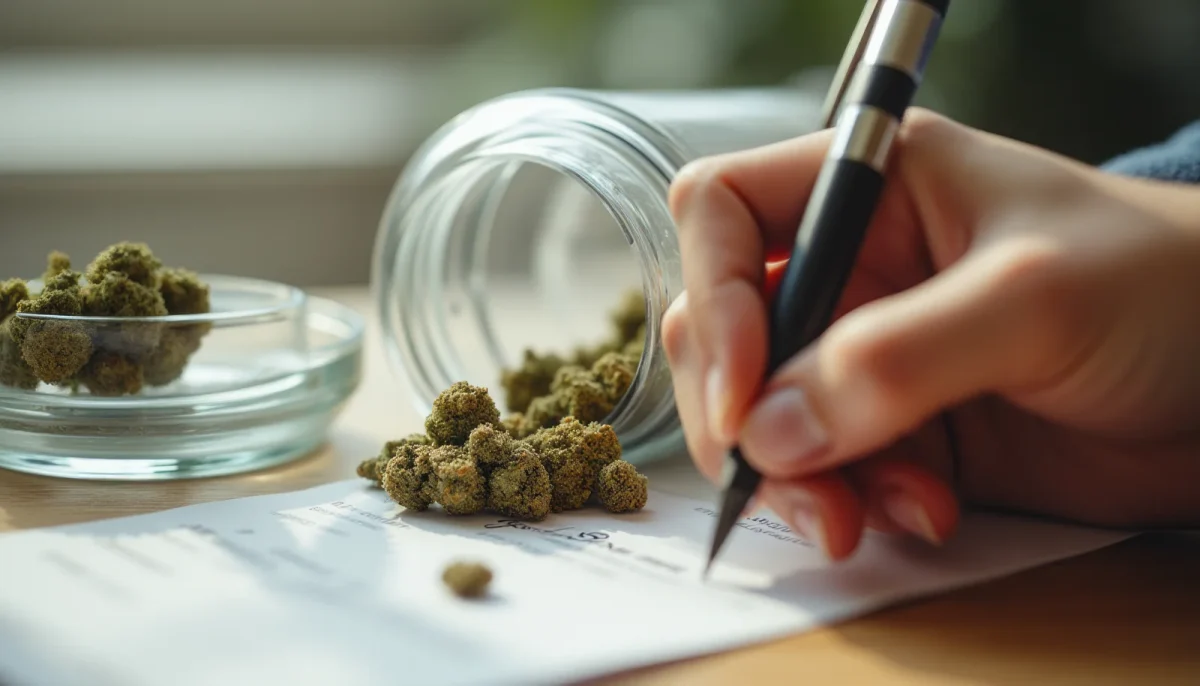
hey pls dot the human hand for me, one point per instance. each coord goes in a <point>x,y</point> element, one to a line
<point>1020,331</point>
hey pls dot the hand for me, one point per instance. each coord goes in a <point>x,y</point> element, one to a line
<point>1020,331</point>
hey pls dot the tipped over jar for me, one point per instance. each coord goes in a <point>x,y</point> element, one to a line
<point>521,223</point>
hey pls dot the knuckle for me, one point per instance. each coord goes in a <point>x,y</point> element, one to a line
<point>724,306</point>
<point>922,126</point>
<point>1049,292</point>
<point>855,346</point>
<point>693,183</point>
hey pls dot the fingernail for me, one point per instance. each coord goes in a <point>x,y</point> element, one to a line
<point>783,429</point>
<point>808,523</point>
<point>908,514</point>
<point>717,402</point>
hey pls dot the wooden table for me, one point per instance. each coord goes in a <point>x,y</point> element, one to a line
<point>1123,615</point>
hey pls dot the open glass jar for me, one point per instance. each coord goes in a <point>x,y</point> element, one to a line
<point>521,222</point>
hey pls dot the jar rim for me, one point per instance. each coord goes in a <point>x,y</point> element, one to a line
<point>275,301</point>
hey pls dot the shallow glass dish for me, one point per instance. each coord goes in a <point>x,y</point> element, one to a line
<point>253,383</point>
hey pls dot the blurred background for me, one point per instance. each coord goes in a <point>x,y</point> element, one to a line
<point>262,137</point>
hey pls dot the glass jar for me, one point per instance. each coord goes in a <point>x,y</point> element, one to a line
<point>522,221</point>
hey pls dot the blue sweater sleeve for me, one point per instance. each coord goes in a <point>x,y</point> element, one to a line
<point>1176,159</point>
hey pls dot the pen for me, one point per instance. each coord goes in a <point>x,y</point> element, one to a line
<point>874,86</point>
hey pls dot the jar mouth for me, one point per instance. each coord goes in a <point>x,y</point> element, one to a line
<point>437,290</point>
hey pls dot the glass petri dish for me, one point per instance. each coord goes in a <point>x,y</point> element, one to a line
<point>255,382</point>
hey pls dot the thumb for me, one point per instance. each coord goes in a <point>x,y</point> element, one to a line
<point>1005,318</point>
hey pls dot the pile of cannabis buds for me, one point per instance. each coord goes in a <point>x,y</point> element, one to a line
<point>109,359</point>
<point>551,455</point>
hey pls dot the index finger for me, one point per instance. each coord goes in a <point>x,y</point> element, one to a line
<point>771,184</point>
<point>733,213</point>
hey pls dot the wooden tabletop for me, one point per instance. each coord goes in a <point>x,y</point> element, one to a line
<point>1126,614</point>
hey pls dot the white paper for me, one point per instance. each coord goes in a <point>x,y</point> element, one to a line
<point>337,584</point>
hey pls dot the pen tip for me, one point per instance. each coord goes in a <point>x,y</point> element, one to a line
<point>734,503</point>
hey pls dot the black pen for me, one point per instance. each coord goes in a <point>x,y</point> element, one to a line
<point>874,86</point>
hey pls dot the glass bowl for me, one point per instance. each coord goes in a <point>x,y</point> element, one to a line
<point>253,383</point>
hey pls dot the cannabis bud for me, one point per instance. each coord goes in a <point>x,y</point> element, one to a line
<point>117,358</point>
<point>490,447</point>
<point>182,293</point>
<point>467,579</point>
<point>530,380</point>
<point>56,263</point>
<point>116,295</point>
<point>555,469</point>
<point>457,411</point>
<point>12,292</point>
<point>621,488</point>
<point>134,260</point>
<point>14,370</point>
<point>461,487</point>
<point>546,388</point>
<point>581,394</point>
<point>614,372</point>
<point>408,476</point>
<point>54,349</point>
<point>372,468</point>
<point>521,487</point>
<point>112,374</point>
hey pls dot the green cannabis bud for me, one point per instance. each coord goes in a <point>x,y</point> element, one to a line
<point>555,469</point>
<point>168,360</point>
<point>372,468</point>
<point>111,374</point>
<point>544,412</point>
<point>55,350</point>
<point>489,446</point>
<point>521,487</point>
<point>581,395</point>
<point>117,295</point>
<point>614,372</point>
<point>587,356</point>
<point>467,579</point>
<point>629,317</point>
<point>63,281</point>
<point>457,411</point>
<point>134,260</point>
<point>14,370</point>
<point>588,386</point>
<point>49,301</point>
<point>408,476</point>
<point>125,280</point>
<point>182,293</point>
<point>562,451</point>
<point>598,444</point>
<point>514,424</point>
<point>56,263</point>
<point>531,380</point>
<point>621,488</point>
<point>12,292</point>
<point>628,324</point>
<point>461,488</point>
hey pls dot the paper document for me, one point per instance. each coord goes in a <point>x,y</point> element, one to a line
<point>338,585</point>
